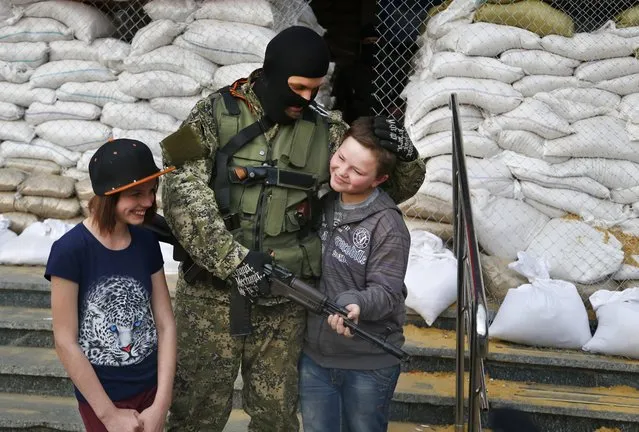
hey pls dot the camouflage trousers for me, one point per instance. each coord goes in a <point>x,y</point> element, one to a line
<point>209,360</point>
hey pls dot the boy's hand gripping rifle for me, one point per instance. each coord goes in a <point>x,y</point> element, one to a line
<point>285,284</point>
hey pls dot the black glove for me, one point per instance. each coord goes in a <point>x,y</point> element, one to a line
<point>249,276</point>
<point>394,138</point>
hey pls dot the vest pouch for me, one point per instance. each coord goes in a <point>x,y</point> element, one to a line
<point>250,199</point>
<point>303,137</point>
<point>311,247</point>
<point>275,212</point>
<point>229,124</point>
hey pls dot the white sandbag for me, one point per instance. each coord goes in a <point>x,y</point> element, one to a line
<point>549,211</point>
<point>226,42</point>
<point>76,135</point>
<point>539,62</point>
<point>590,96</point>
<point>16,131</point>
<point>10,178</point>
<point>439,190</point>
<point>622,86</point>
<point>110,52</point>
<point>9,111</point>
<point>33,165</point>
<point>532,116</point>
<point>56,73</point>
<point>505,226</point>
<point>83,162</point>
<point>86,22</point>
<point>447,64</point>
<point>490,174</point>
<point>137,115</point>
<point>440,120</point>
<point>552,176</point>
<point>35,30</point>
<point>430,261</point>
<point>47,185</point>
<point>629,108</point>
<point>570,110</point>
<point>60,208</point>
<point>487,39</point>
<point>173,59</point>
<point>15,72</point>
<point>591,209</point>
<point>612,173</point>
<point>633,131</point>
<point>33,245</point>
<point>149,85</point>
<point>611,27</point>
<point>75,174</point>
<point>475,145</point>
<point>226,75</point>
<point>617,321</point>
<point>458,14</point>
<point>40,149</point>
<point>39,113</point>
<point>601,136</point>
<point>546,312</point>
<point>627,271</point>
<point>525,143</point>
<point>9,15</point>
<point>625,196</point>
<point>588,46</point>
<point>178,107</point>
<point>97,93</point>
<point>19,221</point>
<point>607,69</point>
<point>32,54</point>
<point>532,84</point>
<point>493,96</point>
<point>149,137</point>
<point>6,235</point>
<point>576,251</point>
<point>257,12</point>
<point>154,35</point>
<point>24,95</point>
<point>308,19</point>
<point>175,10</point>
<point>7,201</point>
<point>72,50</point>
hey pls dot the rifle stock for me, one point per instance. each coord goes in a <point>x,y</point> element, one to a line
<point>285,284</point>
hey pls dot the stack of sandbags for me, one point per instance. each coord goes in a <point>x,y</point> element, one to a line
<point>548,129</point>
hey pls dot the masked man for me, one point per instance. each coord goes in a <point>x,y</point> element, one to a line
<point>250,161</point>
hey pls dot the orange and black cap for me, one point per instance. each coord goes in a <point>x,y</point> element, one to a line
<point>121,164</point>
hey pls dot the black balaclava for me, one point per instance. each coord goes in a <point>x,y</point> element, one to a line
<point>295,51</point>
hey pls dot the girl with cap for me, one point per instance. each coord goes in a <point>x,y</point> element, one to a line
<point>113,323</point>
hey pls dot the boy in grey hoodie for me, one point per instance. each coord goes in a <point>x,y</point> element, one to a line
<point>346,383</point>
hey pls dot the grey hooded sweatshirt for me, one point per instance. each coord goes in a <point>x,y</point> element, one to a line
<point>364,259</point>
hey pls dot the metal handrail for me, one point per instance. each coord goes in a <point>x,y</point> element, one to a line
<point>472,314</point>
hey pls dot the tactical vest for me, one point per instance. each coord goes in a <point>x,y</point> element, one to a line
<point>270,213</point>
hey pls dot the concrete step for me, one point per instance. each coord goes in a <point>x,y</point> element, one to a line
<point>25,327</point>
<point>24,286</point>
<point>22,413</point>
<point>429,398</point>
<point>433,350</point>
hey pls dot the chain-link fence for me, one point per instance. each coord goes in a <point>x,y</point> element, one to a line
<point>75,74</point>
<point>549,105</point>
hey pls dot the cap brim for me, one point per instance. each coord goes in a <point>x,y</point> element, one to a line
<point>144,180</point>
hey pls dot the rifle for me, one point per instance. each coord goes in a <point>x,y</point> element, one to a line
<point>285,284</point>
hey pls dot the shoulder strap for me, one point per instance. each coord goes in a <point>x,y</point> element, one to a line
<point>229,101</point>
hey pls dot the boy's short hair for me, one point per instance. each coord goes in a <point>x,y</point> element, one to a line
<point>102,208</point>
<point>361,130</point>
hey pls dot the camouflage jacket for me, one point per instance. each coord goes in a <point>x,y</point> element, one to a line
<point>190,207</point>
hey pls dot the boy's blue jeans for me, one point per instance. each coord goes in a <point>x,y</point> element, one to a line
<point>345,400</point>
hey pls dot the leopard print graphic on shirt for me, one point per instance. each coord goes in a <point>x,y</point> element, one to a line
<point>117,327</point>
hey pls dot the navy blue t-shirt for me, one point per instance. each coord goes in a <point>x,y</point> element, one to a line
<point>116,330</point>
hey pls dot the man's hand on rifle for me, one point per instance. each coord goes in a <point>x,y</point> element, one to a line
<point>249,277</point>
<point>336,321</point>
